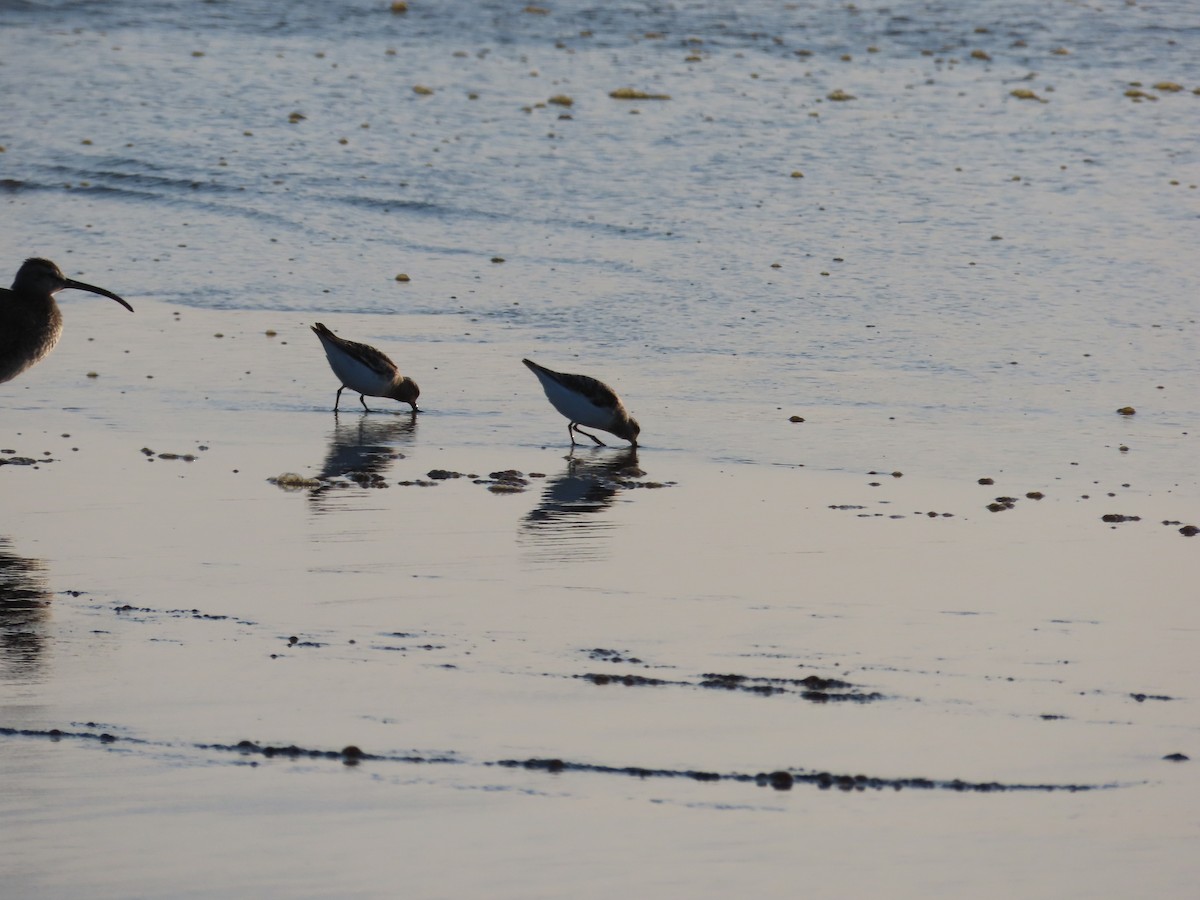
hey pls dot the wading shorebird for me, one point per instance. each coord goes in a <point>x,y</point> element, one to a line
<point>586,401</point>
<point>364,369</point>
<point>30,321</point>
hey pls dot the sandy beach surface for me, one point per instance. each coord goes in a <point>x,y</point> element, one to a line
<point>892,599</point>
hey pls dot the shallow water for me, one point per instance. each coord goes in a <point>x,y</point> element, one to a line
<point>962,284</point>
<point>950,251</point>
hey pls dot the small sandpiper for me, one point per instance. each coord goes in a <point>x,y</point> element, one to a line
<point>30,321</point>
<point>364,369</point>
<point>586,401</point>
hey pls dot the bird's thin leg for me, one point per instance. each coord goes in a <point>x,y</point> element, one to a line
<point>571,432</point>
<point>338,399</point>
<point>363,400</point>
<point>592,436</point>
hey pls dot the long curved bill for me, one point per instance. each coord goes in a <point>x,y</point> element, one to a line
<point>80,286</point>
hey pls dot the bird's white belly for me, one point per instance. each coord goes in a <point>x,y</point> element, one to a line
<point>356,375</point>
<point>576,407</point>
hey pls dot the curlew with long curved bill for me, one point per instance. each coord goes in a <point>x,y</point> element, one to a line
<point>30,321</point>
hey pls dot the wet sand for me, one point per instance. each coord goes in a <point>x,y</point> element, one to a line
<point>682,674</point>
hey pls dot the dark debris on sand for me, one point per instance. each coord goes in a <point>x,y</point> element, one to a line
<point>15,460</point>
<point>779,779</point>
<point>785,779</point>
<point>813,688</point>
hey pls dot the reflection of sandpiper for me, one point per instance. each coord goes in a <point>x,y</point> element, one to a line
<point>30,321</point>
<point>564,523</point>
<point>586,401</point>
<point>361,450</point>
<point>362,368</point>
<point>365,446</point>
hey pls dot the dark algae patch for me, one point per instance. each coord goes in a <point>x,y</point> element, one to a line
<point>813,688</point>
<point>785,779</point>
<point>626,680</point>
<point>145,612</point>
<point>782,779</point>
<point>602,654</point>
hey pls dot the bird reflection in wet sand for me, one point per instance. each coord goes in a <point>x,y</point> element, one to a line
<point>565,525</point>
<point>24,600</point>
<point>362,448</point>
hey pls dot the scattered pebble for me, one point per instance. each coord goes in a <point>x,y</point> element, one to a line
<point>293,481</point>
<point>1027,94</point>
<point>627,93</point>
<point>781,781</point>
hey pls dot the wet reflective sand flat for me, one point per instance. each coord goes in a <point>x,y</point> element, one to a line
<point>894,597</point>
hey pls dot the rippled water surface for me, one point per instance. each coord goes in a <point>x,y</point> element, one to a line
<point>949,244</point>
<point>953,238</point>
